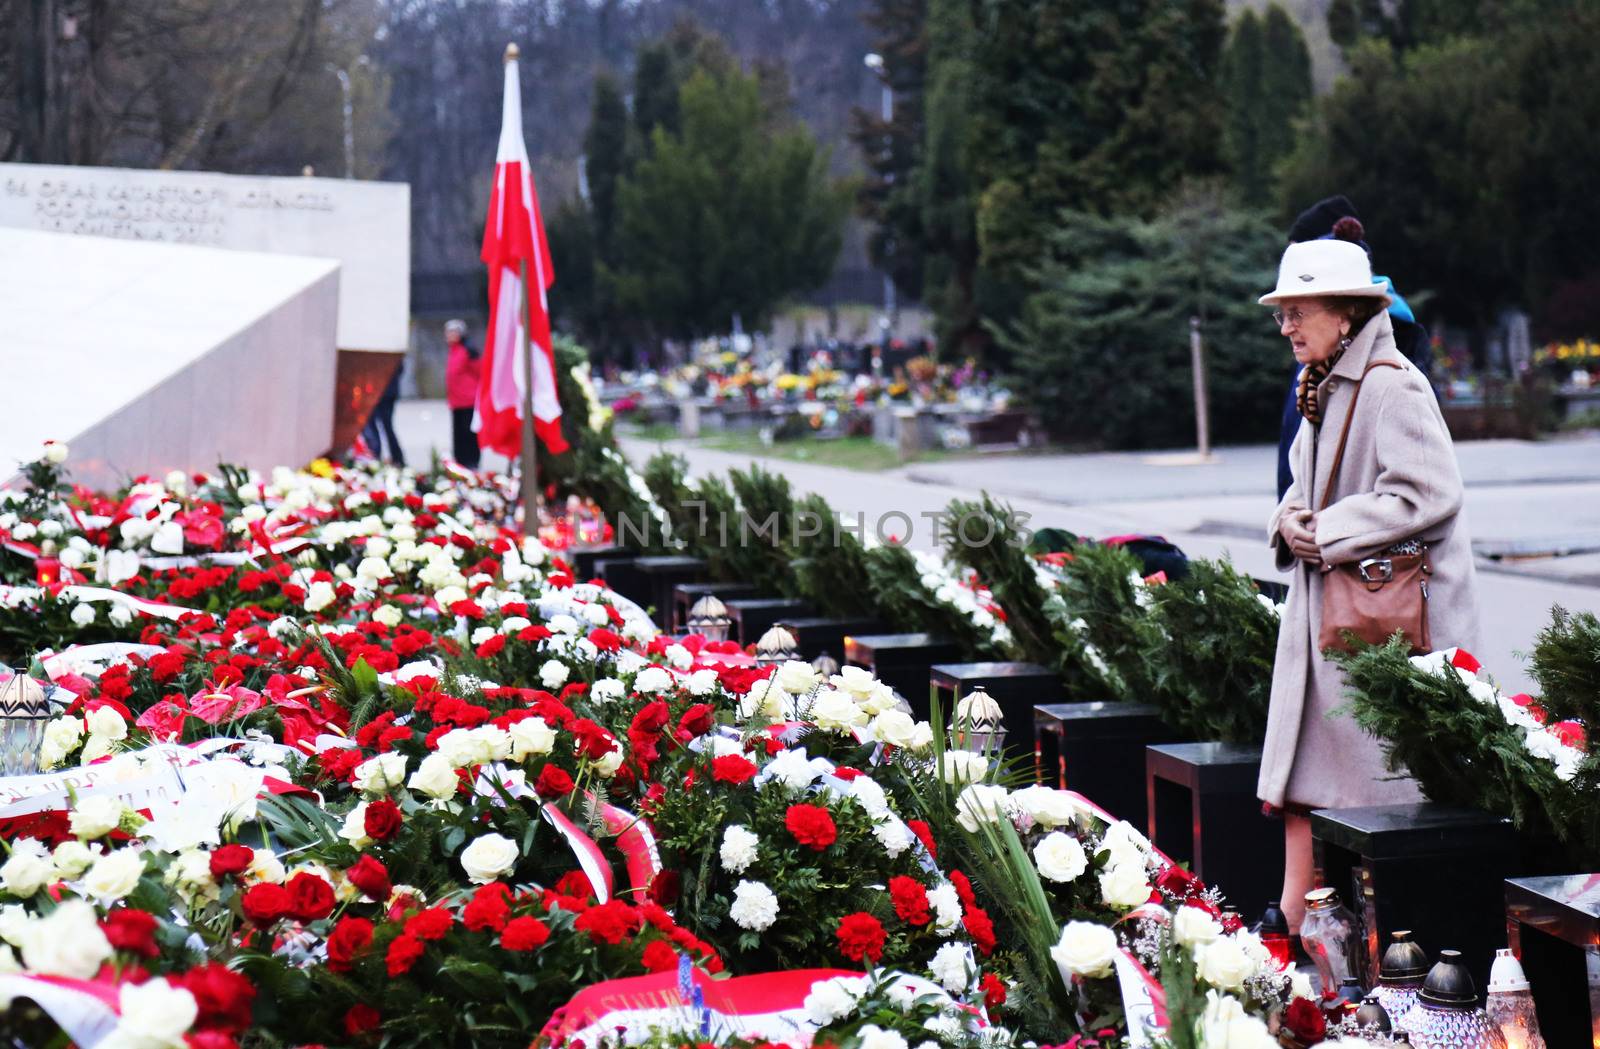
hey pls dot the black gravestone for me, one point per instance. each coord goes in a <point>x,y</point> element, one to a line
<point>904,662</point>
<point>753,616</point>
<point>815,635</point>
<point>659,575</point>
<point>1097,749</point>
<point>684,595</point>
<point>1016,687</point>
<point>1553,925</point>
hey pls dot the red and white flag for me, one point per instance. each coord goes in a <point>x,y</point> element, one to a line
<point>514,235</point>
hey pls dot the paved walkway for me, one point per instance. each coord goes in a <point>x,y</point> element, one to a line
<point>1523,498</point>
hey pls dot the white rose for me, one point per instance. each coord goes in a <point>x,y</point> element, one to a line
<point>1192,926</point>
<point>71,859</point>
<point>191,874</point>
<point>855,680</point>
<point>833,999</point>
<point>964,766</point>
<point>608,690</point>
<point>1085,949</point>
<point>609,763</point>
<point>739,848</point>
<point>55,452</point>
<point>952,967</point>
<point>1225,1025</point>
<point>765,701</point>
<point>388,615</point>
<point>107,723</point>
<point>83,614</point>
<point>981,803</point>
<point>836,711</point>
<point>553,674</point>
<point>488,857</point>
<point>796,677</point>
<point>1123,833</point>
<point>879,699</point>
<point>66,942</point>
<point>561,623</point>
<point>1060,858</point>
<point>374,569</point>
<point>1046,806</point>
<point>1223,963</point>
<point>435,777</point>
<point>120,615</point>
<point>114,875</point>
<point>25,872</point>
<point>265,866</point>
<point>461,747</point>
<point>755,907</point>
<point>1124,885</point>
<point>96,816</point>
<point>319,596</point>
<point>894,727</point>
<point>153,1015</point>
<point>652,679</point>
<point>531,736</point>
<point>380,774</point>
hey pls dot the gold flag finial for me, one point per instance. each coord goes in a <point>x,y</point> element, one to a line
<point>512,51</point>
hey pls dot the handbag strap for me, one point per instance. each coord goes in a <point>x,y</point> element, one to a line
<point>1344,433</point>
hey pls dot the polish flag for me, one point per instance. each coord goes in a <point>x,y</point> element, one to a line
<point>513,235</point>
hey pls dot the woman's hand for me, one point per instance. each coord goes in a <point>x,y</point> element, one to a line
<point>1295,528</point>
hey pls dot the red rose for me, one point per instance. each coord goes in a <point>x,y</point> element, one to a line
<point>264,904</point>
<point>665,887</point>
<point>593,741</point>
<point>610,922</point>
<point>731,768</point>
<point>697,720</point>
<point>310,897</point>
<point>861,936</point>
<point>910,900</point>
<point>349,938</point>
<point>370,876</point>
<point>1306,1021</point>
<point>994,991</point>
<point>488,908</point>
<point>811,825</point>
<point>360,1019</point>
<point>132,930</point>
<point>231,859</point>
<point>552,783</point>
<point>224,997</point>
<point>524,934</point>
<point>1179,882</point>
<point>652,717</point>
<point>382,820</point>
<point>490,647</point>
<point>403,953</point>
<point>659,957</point>
<point>431,924</point>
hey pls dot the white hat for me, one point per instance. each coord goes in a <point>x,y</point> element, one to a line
<point>455,326</point>
<point>1324,267</point>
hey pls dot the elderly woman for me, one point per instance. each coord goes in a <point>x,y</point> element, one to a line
<point>1397,483</point>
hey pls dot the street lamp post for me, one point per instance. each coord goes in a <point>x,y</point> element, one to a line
<point>349,122</point>
<point>874,62</point>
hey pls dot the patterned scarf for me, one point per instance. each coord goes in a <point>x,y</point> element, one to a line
<point>1305,394</point>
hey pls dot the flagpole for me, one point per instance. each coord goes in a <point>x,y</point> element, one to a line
<point>530,448</point>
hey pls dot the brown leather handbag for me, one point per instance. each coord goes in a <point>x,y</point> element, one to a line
<point>1377,597</point>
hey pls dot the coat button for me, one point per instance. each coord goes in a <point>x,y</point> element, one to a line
<point>1333,384</point>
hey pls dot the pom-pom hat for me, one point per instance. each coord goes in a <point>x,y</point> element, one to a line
<point>1324,267</point>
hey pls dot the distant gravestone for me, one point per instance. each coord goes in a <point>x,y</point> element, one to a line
<point>365,226</point>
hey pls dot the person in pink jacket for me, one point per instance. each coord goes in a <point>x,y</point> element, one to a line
<point>461,392</point>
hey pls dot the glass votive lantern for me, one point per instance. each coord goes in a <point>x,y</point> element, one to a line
<point>1328,933</point>
<point>1400,975</point>
<point>1446,1014</point>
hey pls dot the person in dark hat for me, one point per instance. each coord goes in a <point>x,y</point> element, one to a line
<point>1335,218</point>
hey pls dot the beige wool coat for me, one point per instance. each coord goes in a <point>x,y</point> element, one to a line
<point>1399,480</point>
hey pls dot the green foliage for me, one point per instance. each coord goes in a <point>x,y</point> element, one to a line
<point>902,600</point>
<point>1266,79</point>
<point>762,527</point>
<point>1210,650</point>
<point>1100,618</point>
<point>1462,751</point>
<point>830,567</point>
<point>944,181</point>
<point>1104,341</point>
<point>725,217</point>
<point>1458,152</point>
<point>1566,664</point>
<point>605,149</point>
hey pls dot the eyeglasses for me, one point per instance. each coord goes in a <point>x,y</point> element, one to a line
<point>1296,315</point>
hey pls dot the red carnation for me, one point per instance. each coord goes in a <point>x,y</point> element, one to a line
<point>370,876</point>
<point>1570,733</point>
<point>488,908</point>
<point>575,884</point>
<point>910,900</point>
<point>491,647</point>
<point>552,783</point>
<point>360,1019</point>
<point>382,820</point>
<point>652,717</point>
<point>811,825</point>
<point>1465,660</point>
<point>266,903</point>
<point>924,834</point>
<point>861,936</point>
<point>231,859</point>
<point>310,897</point>
<point>1306,1021</point>
<point>994,990</point>
<point>403,953</point>
<point>349,938</point>
<point>963,889</point>
<point>223,996</point>
<point>697,720</point>
<point>610,922</point>
<point>132,930</point>
<point>524,934</point>
<point>981,929</point>
<point>593,741</point>
<point>430,924</point>
<point>731,768</point>
<point>659,957</point>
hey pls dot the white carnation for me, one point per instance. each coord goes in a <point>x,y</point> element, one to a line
<point>755,907</point>
<point>739,849</point>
